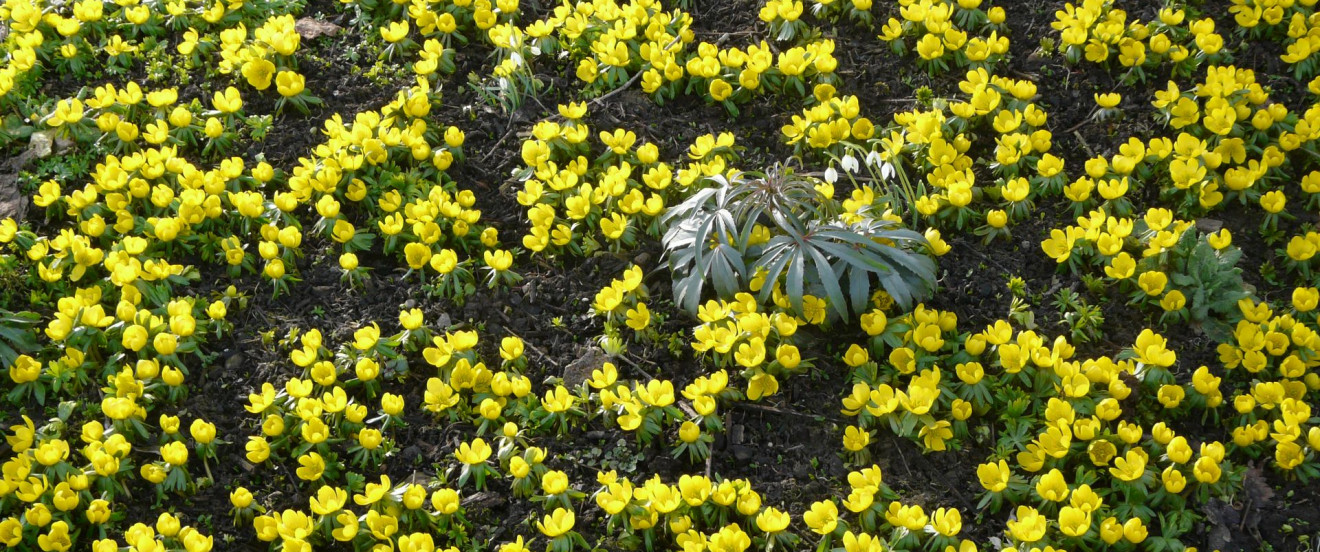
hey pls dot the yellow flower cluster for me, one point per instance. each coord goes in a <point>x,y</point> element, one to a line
<point>50,489</point>
<point>75,38</point>
<point>397,517</point>
<point>391,165</point>
<point>944,30</point>
<point>1243,138</point>
<point>1082,510</point>
<point>915,339</point>
<point>438,22</point>
<point>1273,352</point>
<point>573,200</point>
<point>1292,22</point>
<point>1159,270</point>
<point>1075,424</point>
<point>258,57</point>
<point>784,17</point>
<point>759,343</point>
<point>938,140</point>
<point>829,122</point>
<point>624,299</point>
<point>1099,31</point>
<point>612,43</point>
<point>881,518</point>
<point>757,70</point>
<point>111,275</point>
<point>701,513</point>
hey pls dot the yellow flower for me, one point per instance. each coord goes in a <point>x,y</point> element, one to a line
<point>227,101</point>
<point>445,501</point>
<point>788,356</point>
<point>638,318</point>
<point>57,539</point>
<point>720,90</point>
<point>772,520</point>
<point>274,269</point>
<point>1206,470</point>
<point>202,431</point>
<point>1220,239</point>
<point>176,454</point>
<point>856,356</point>
<point>656,393</point>
<point>366,337</point>
<point>762,385</point>
<point>1029,526</point>
<point>348,261</point>
<point>382,526</point>
<point>1174,300</point>
<point>394,31</point>
<point>328,500</point>
<point>258,73</point>
<point>934,435</point>
<point>312,465</point>
<point>1171,395</point>
<point>1134,531</point>
<point>822,518</point>
<point>1074,521</point>
<point>475,453</point>
<point>1052,486</point>
<point>133,338</point>
<point>750,354</point>
<point>1121,267</point>
<point>1150,349</point>
<point>25,369</point>
<point>614,226</point>
<point>417,255</point>
<point>558,400</point>
<point>1273,202</point>
<point>289,83</point>
<point>240,497</point>
<point>556,523</point>
<point>604,376</point>
<point>947,522</point>
<point>1109,100</point>
<point>994,477</point>
<point>1174,481</point>
<point>902,515</point>
<point>1129,467</point>
<point>856,438</point>
<point>391,404</point>
<point>499,260</point>
<point>587,70</point>
<point>1152,282</point>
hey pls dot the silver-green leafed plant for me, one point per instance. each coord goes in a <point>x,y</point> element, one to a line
<point>778,221</point>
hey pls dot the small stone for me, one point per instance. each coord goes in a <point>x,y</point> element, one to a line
<point>40,144</point>
<point>736,434</point>
<point>12,203</point>
<point>1209,226</point>
<point>741,453</point>
<point>311,29</point>
<point>588,361</point>
<point>234,362</point>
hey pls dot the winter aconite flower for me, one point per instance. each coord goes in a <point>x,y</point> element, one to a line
<point>556,523</point>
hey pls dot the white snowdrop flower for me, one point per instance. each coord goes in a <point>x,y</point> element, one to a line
<point>850,163</point>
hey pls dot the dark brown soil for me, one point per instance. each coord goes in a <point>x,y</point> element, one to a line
<point>790,450</point>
